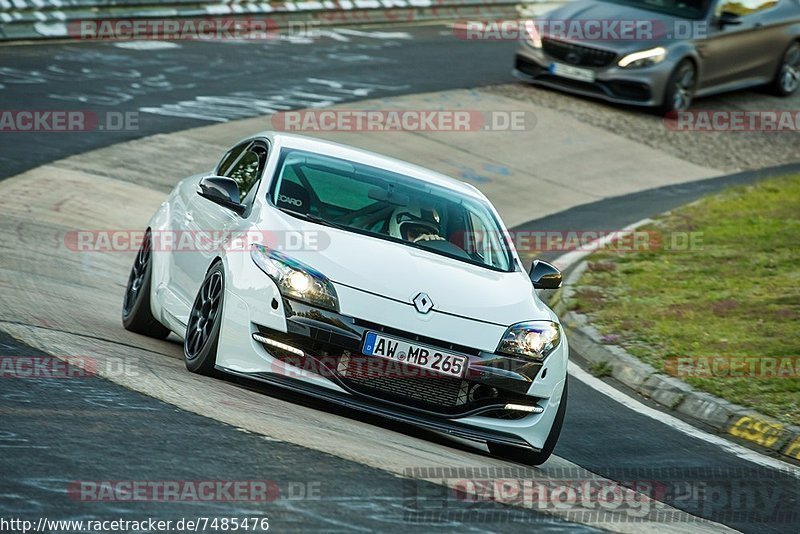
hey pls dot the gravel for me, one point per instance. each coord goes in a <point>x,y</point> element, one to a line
<point>726,151</point>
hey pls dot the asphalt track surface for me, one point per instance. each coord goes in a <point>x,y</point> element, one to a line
<point>226,80</point>
<point>54,432</point>
<point>91,429</point>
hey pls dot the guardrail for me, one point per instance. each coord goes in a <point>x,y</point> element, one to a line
<point>56,19</point>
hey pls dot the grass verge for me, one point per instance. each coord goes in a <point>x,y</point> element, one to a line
<point>716,301</point>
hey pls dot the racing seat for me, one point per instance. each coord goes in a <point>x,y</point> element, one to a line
<point>294,197</point>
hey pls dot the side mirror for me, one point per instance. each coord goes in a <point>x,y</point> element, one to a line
<point>544,275</point>
<point>726,18</point>
<point>223,191</point>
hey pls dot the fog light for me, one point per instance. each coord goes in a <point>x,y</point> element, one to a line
<point>524,408</point>
<point>278,345</point>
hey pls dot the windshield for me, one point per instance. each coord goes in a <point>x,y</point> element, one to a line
<point>687,9</point>
<point>386,205</point>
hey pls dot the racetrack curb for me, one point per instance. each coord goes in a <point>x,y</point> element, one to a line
<point>763,432</point>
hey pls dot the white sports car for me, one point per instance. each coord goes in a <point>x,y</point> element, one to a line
<point>361,280</point>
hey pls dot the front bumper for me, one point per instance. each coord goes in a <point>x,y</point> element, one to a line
<point>328,344</point>
<point>473,408</point>
<point>387,411</point>
<point>254,306</point>
<point>638,87</point>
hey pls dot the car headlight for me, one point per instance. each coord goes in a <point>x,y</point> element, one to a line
<point>645,58</point>
<point>295,279</point>
<point>533,339</point>
<point>534,38</point>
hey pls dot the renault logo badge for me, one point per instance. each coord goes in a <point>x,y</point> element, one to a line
<point>423,303</point>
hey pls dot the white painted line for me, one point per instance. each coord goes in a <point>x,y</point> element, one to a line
<point>333,34</point>
<point>52,29</point>
<point>374,34</point>
<point>677,424</point>
<point>216,9</point>
<point>146,45</point>
<point>309,6</point>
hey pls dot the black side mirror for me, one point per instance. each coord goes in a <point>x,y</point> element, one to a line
<point>223,191</point>
<point>545,275</point>
<point>726,18</point>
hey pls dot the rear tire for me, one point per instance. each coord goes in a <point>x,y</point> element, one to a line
<point>680,89</point>
<point>202,332</point>
<point>787,79</point>
<point>529,456</point>
<point>136,313</point>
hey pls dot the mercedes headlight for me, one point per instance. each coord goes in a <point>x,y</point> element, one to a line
<point>533,339</point>
<point>534,37</point>
<point>295,279</point>
<point>645,58</point>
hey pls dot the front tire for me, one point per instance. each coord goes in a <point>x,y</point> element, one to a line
<point>528,456</point>
<point>787,79</point>
<point>202,332</point>
<point>680,88</point>
<point>136,313</point>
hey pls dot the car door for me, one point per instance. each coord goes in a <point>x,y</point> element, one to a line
<point>736,51</point>
<point>208,223</point>
<point>178,299</point>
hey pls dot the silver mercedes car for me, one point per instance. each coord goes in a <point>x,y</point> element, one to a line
<point>664,53</point>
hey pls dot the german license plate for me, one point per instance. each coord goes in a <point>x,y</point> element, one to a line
<point>414,355</point>
<point>573,73</point>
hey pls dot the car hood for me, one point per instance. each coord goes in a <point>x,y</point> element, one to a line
<point>593,10</point>
<point>399,272</point>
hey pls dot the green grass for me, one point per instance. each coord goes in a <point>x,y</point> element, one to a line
<point>601,369</point>
<point>736,294</point>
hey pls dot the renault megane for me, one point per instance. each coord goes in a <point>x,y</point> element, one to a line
<point>402,297</point>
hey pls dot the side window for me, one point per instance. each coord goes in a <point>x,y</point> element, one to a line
<point>246,169</point>
<point>230,158</point>
<point>744,7</point>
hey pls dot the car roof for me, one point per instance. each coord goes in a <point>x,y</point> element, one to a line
<point>329,148</point>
